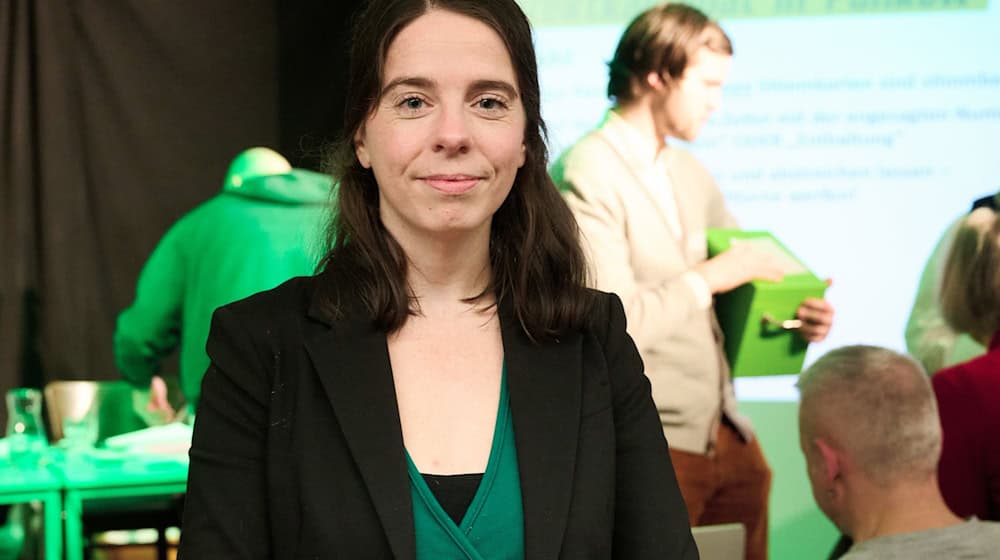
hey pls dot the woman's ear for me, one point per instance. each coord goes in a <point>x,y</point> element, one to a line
<point>360,150</point>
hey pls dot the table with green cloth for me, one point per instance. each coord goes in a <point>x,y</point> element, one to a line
<point>148,464</point>
<point>129,476</point>
<point>44,484</point>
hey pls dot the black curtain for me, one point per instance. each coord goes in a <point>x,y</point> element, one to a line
<point>119,117</point>
<point>313,43</point>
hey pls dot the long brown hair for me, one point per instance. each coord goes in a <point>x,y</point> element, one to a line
<point>535,253</point>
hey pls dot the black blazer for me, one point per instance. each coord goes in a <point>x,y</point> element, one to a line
<point>298,453</point>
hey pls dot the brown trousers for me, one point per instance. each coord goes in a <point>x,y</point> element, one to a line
<point>729,486</point>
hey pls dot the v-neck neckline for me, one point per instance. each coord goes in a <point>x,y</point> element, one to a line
<point>489,476</point>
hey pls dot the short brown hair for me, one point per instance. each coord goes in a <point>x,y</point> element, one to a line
<point>535,252</point>
<point>970,286</point>
<point>663,39</point>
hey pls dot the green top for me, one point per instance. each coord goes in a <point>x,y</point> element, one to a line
<point>493,526</point>
<point>249,238</point>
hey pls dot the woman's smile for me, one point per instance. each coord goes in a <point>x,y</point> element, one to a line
<point>451,184</point>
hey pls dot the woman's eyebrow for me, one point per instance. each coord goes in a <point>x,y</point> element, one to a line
<point>412,81</point>
<point>486,85</point>
<point>425,83</point>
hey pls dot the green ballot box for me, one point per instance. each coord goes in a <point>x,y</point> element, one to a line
<point>758,318</point>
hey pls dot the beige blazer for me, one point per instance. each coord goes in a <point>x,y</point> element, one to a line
<point>633,252</point>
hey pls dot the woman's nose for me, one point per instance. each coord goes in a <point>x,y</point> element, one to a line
<point>452,134</point>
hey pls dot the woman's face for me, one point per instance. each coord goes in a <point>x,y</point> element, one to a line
<point>446,137</point>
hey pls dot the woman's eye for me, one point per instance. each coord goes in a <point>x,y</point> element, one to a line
<point>412,103</point>
<point>491,104</point>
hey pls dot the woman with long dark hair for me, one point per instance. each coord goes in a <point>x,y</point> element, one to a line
<point>446,386</point>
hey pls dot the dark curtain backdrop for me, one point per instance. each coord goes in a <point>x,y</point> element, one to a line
<point>313,42</point>
<point>118,117</point>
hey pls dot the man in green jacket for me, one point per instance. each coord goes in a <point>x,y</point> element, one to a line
<point>266,226</point>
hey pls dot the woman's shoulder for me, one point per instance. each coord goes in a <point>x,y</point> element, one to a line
<point>980,375</point>
<point>255,329</point>
<point>606,313</point>
<point>287,301</point>
<point>602,300</point>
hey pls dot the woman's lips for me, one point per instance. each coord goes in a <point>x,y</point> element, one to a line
<point>451,184</point>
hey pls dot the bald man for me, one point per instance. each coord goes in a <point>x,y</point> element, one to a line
<point>869,430</point>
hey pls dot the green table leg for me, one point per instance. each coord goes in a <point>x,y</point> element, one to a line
<point>73,511</point>
<point>52,502</point>
<point>53,526</point>
<point>73,506</point>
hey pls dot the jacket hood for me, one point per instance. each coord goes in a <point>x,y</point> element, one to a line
<point>298,186</point>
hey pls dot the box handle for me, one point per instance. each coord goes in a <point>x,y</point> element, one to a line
<point>768,320</point>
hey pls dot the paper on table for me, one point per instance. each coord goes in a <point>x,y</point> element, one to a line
<point>169,439</point>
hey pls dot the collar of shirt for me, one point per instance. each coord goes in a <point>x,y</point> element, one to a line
<point>653,163</point>
<point>631,139</point>
<point>648,162</point>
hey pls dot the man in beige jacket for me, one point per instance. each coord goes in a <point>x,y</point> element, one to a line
<point>643,207</point>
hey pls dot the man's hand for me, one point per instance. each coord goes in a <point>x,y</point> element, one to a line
<point>738,265</point>
<point>817,318</point>
<point>158,403</point>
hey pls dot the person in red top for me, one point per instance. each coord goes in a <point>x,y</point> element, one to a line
<point>968,393</point>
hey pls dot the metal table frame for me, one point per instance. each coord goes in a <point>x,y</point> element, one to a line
<point>125,480</point>
<point>18,486</point>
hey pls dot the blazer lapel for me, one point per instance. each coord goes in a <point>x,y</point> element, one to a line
<point>544,382</point>
<point>352,361</point>
<point>660,200</point>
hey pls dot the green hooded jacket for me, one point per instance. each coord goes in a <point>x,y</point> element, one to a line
<point>251,237</point>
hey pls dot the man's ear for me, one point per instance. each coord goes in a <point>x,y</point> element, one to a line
<point>360,150</point>
<point>655,81</point>
<point>833,465</point>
